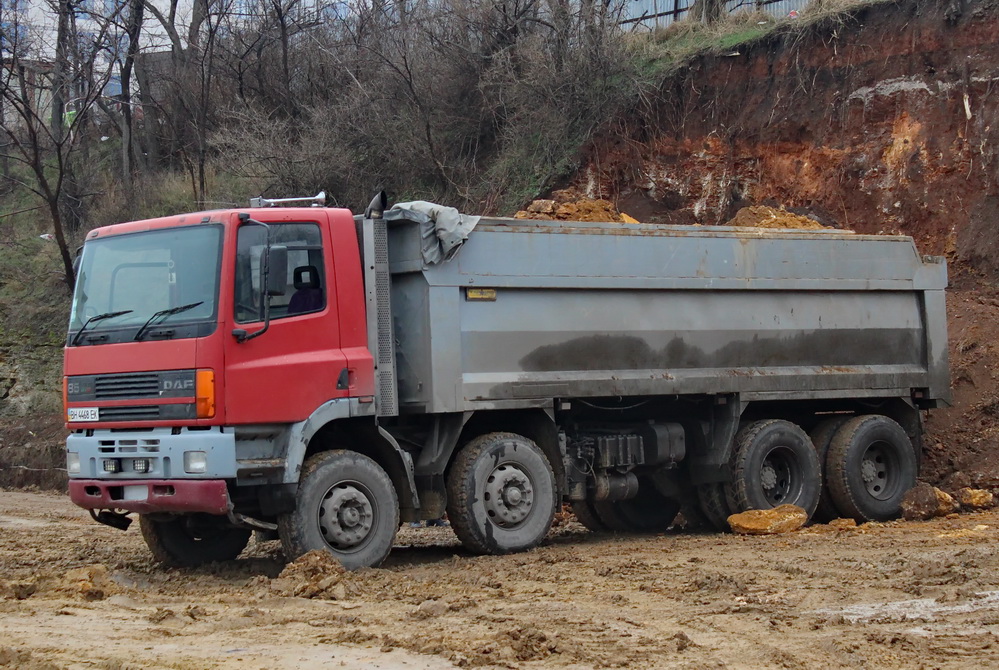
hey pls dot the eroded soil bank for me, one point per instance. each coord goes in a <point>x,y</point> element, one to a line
<point>885,120</point>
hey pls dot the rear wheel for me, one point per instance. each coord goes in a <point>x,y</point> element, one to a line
<point>648,512</point>
<point>773,464</point>
<point>188,540</point>
<point>501,494</point>
<point>586,515</point>
<point>870,466</point>
<point>691,516</point>
<point>712,502</point>
<point>347,506</point>
<point>822,436</point>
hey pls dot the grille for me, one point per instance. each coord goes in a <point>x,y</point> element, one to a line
<point>113,387</point>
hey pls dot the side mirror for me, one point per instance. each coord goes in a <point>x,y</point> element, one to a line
<point>277,270</point>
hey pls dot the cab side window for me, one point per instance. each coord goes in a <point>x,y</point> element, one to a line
<point>305,285</point>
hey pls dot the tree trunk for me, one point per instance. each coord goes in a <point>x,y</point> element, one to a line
<point>60,71</point>
<point>133,29</point>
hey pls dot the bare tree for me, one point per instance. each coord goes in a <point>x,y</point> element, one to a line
<point>46,109</point>
<point>475,102</point>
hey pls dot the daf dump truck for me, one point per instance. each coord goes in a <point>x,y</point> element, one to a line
<point>321,377</point>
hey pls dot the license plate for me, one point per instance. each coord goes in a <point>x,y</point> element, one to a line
<point>84,414</point>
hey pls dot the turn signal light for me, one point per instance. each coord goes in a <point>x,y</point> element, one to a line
<point>204,394</point>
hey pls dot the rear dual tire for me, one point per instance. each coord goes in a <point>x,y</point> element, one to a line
<point>822,436</point>
<point>774,463</point>
<point>870,466</point>
<point>648,512</point>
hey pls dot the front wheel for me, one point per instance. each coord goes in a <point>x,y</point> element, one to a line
<point>189,540</point>
<point>347,506</point>
<point>501,494</point>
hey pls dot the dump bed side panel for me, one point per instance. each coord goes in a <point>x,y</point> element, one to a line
<point>602,310</point>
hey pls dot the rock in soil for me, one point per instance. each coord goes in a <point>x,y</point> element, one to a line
<point>782,519</point>
<point>17,590</point>
<point>945,503</point>
<point>975,498</point>
<point>923,502</point>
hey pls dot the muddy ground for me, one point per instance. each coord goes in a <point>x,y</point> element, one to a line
<point>896,595</point>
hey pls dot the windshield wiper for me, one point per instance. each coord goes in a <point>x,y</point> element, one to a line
<point>164,313</point>
<point>95,319</point>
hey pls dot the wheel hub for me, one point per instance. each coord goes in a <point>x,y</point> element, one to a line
<point>508,495</point>
<point>768,477</point>
<point>346,516</point>
<point>877,472</point>
<point>869,470</point>
<point>776,478</point>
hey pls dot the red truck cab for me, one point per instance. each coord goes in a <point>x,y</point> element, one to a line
<point>171,395</point>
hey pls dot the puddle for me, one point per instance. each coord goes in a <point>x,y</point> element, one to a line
<point>921,608</point>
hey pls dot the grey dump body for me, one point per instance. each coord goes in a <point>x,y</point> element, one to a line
<point>608,309</point>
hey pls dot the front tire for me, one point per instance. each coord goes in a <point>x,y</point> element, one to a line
<point>870,466</point>
<point>347,506</point>
<point>189,540</point>
<point>501,494</point>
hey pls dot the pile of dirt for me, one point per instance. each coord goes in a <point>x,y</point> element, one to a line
<point>88,583</point>
<point>315,575</point>
<point>761,216</point>
<point>572,205</point>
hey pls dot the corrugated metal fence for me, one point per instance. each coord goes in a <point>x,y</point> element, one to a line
<point>660,13</point>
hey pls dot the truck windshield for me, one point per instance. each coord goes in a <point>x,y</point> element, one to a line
<point>141,274</point>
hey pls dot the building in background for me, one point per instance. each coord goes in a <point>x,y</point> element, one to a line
<point>650,14</point>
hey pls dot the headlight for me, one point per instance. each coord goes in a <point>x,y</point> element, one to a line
<point>141,465</point>
<point>195,462</point>
<point>72,463</point>
<point>112,465</point>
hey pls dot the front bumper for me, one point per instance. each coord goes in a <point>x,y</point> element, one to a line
<point>152,495</point>
<point>161,448</point>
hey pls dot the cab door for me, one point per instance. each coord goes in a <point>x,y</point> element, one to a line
<point>288,371</point>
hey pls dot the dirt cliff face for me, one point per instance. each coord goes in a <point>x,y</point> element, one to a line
<point>885,121</point>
